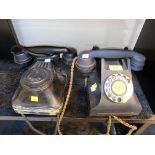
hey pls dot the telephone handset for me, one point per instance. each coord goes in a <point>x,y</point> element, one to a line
<point>110,86</point>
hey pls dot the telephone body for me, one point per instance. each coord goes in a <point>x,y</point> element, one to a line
<point>41,89</point>
<point>115,94</point>
<point>110,85</point>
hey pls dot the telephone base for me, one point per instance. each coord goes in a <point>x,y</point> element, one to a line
<point>104,108</point>
<point>99,103</point>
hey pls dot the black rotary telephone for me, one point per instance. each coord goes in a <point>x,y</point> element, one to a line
<point>110,86</point>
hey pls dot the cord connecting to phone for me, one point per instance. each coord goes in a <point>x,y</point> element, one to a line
<point>132,127</point>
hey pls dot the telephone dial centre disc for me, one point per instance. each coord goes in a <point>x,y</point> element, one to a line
<point>118,88</point>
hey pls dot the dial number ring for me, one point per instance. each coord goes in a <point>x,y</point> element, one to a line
<point>118,88</point>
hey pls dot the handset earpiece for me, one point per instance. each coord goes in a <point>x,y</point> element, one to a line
<point>85,64</point>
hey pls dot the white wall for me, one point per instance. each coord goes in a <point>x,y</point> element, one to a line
<point>81,34</point>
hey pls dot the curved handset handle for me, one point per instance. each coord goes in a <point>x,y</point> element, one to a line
<point>24,54</point>
<point>49,49</point>
<point>86,62</point>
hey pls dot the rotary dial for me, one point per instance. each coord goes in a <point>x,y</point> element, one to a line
<point>118,88</point>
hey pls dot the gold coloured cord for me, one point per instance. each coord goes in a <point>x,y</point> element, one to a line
<point>108,126</point>
<point>67,97</point>
<point>132,127</point>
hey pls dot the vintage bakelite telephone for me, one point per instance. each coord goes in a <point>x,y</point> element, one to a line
<point>41,88</point>
<point>110,83</point>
